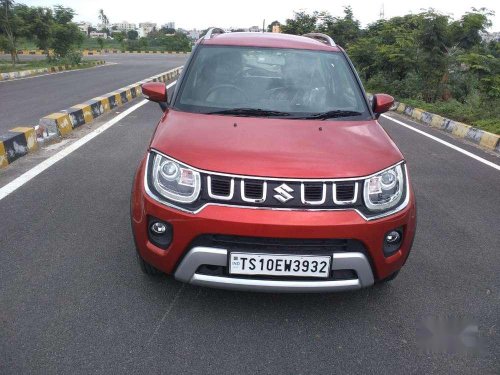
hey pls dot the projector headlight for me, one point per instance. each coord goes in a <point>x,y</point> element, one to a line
<point>384,190</point>
<point>174,181</point>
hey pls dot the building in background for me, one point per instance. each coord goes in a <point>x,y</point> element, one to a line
<point>255,29</point>
<point>491,37</point>
<point>96,34</point>
<point>194,34</point>
<point>84,27</point>
<point>168,25</point>
<point>123,26</point>
<point>145,28</point>
<point>276,29</point>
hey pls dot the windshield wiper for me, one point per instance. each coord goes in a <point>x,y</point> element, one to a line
<point>331,114</point>
<point>249,112</point>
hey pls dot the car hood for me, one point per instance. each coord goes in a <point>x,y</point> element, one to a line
<point>276,147</point>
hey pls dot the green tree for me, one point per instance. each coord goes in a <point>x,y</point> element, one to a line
<point>66,35</point>
<point>132,35</point>
<point>119,36</point>
<point>9,25</point>
<point>270,26</point>
<point>344,30</point>
<point>301,23</point>
<point>104,21</point>
<point>167,30</point>
<point>466,32</point>
<point>38,23</point>
<point>100,43</point>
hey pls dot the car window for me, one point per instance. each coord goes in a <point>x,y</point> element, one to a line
<point>285,80</point>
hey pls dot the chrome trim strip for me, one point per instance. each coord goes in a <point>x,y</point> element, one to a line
<point>274,286</point>
<point>312,203</point>
<point>371,218</point>
<point>197,256</point>
<point>251,200</point>
<point>277,178</point>
<point>220,197</point>
<point>343,203</point>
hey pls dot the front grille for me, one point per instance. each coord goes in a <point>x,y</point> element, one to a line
<point>271,193</point>
<point>345,191</point>
<point>313,192</point>
<point>220,186</point>
<point>279,245</point>
<point>254,189</point>
<point>283,246</point>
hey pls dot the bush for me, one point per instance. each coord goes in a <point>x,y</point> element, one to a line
<point>73,57</point>
<point>484,115</point>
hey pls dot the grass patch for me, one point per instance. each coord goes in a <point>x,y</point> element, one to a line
<point>482,115</point>
<point>485,116</point>
<point>6,65</point>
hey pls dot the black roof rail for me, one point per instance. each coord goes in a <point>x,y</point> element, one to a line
<point>213,32</point>
<point>323,38</point>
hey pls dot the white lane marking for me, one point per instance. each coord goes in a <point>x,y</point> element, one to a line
<point>56,73</point>
<point>35,171</point>
<point>447,144</point>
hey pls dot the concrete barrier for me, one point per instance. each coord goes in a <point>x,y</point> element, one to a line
<point>52,69</point>
<point>16,143</point>
<point>22,140</point>
<point>91,52</point>
<point>485,139</point>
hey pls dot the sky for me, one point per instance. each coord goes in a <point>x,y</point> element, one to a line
<point>237,13</point>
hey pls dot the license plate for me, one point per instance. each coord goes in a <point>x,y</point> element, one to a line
<point>279,265</point>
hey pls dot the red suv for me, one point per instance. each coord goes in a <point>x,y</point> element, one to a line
<point>269,172</point>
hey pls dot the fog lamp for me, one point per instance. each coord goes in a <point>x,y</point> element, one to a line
<point>160,233</point>
<point>393,237</point>
<point>158,227</point>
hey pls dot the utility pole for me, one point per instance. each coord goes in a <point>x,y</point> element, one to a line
<point>264,26</point>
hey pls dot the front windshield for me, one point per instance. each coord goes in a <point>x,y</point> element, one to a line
<point>285,81</point>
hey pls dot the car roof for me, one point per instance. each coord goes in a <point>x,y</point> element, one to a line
<point>274,40</point>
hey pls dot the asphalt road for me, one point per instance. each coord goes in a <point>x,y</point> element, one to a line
<point>24,102</point>
<point>73,300</point>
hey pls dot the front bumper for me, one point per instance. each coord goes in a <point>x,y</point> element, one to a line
<point>199,256</point>
<point>184,256</point>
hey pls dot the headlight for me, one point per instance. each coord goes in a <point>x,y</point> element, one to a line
<point>384,190</point>
<point>175,181</point>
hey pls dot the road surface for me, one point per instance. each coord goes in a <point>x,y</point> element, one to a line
<point>23,102</point>
<point>73,300</point>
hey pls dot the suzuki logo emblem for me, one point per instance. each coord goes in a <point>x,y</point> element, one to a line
<point>283,193</point>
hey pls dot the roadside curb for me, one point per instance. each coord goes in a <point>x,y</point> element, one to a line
<point>93,52</point>
<point>20,141</point>
<point>117,51</point>
<point>483,138</point>
<point>52,69</point>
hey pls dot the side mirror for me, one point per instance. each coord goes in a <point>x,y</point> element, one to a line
<point>382,103</point>
<point>156,92</point>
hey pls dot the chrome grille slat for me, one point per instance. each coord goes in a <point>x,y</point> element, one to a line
<point>216,187</point>
<point>276,194</point>
<point>345,193</point>
<point>250,191</point>
<point>313,202</point>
